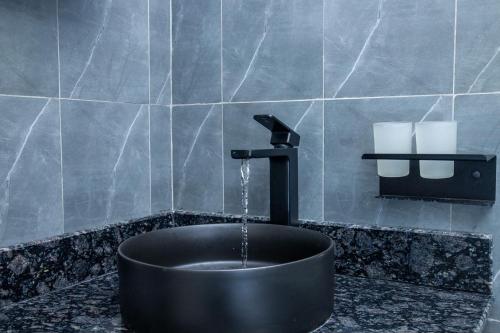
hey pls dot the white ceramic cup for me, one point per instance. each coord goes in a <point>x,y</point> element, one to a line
<point>392,138</point>
<point>436,137</point>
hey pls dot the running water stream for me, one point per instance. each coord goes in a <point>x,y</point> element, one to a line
<point>245,174</point>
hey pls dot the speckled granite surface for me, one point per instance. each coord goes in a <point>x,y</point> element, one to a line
<point>361,306</point>
<point>35,268</point>
<point>456,261</point>
<point>451,260</point>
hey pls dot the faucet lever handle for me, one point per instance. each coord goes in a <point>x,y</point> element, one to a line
<point>282,135</point>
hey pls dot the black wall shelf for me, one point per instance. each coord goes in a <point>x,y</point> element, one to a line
<point>473,182</point>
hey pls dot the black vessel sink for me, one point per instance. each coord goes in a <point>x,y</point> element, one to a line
<point>190,279</point>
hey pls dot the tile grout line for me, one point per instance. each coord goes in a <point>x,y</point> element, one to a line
<point>222,153</point>
<point>335,99</point>
<point>149,55</point>
<point>323,115</point>
<point>264,101</point>
<point>171,113</point>
<point>222,100</point>
<point>384,97</point>
<point>455,43</point>
<point>308,100</point>
<point>453,84</point>
<point>149,109</point>
<point>60,114</point>
<point>150,179</point>
<point>454,60</point>
<point>102,101</point>
<point>171,160</point>
<point>58,50</point>
<point>221,57</point>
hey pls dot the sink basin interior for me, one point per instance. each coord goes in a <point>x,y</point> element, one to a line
<point>219,247</point>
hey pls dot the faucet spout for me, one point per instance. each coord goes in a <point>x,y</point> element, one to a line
<point>283,175</point>
<point>262,153</point>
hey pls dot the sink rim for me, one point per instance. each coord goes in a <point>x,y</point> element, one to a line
<point>232,270</point>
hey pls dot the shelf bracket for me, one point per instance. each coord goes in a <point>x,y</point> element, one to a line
<point>473,182</point>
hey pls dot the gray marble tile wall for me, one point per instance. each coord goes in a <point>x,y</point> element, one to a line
<point>85,114</point>
<point>115,109</point>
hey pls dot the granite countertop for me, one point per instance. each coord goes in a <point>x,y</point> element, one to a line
<point>361,305</point>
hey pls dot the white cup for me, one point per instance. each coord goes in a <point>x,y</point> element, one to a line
<point>436,137</point>
<point>392,138</point>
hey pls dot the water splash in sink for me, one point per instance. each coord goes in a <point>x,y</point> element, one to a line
<point>245,175</point>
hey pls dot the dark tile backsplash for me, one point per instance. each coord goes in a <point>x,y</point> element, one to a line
<point>113,110</point>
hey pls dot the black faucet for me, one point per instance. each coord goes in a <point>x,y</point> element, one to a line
<point>283,162</point>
